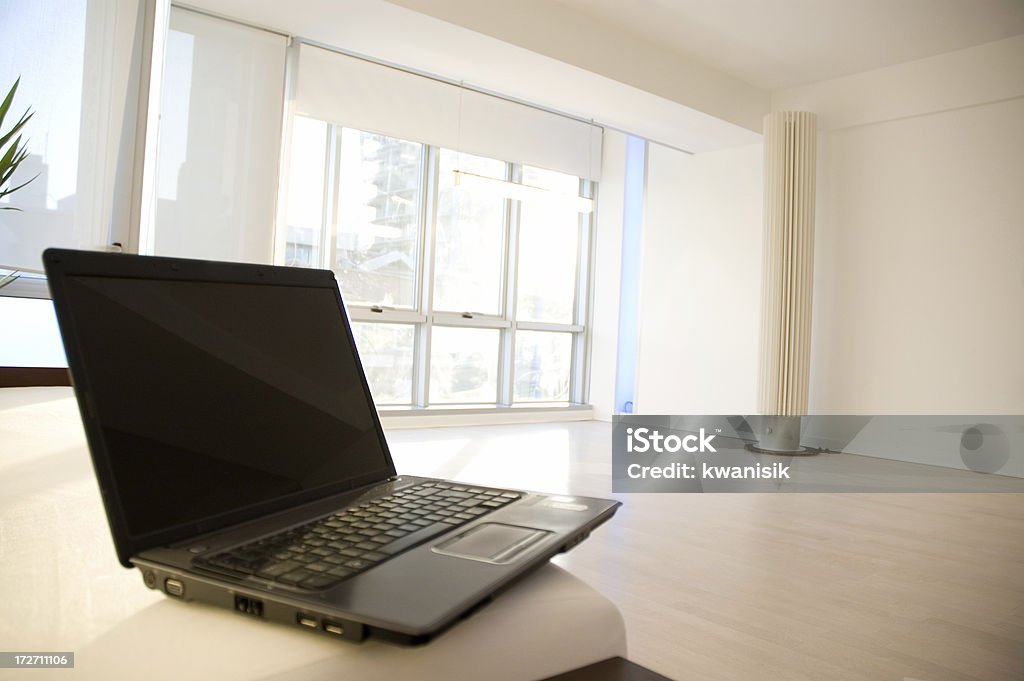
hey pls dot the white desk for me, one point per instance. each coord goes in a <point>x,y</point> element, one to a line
<point>62,589</point>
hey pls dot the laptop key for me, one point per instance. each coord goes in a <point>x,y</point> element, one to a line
<point>319,566</point>
<point>356,564</point>
<point>296,576</point>
<point>339,572</point>
<point>318,582</point>
<point>275,570</point>
<point>367,545</point>
<point>414,538</point>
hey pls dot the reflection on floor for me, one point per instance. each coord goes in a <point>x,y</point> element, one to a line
<point>772,586</point>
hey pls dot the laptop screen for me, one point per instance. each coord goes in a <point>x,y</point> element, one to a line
<point>213,397</point>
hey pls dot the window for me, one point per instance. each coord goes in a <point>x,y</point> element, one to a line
<point>44,47</point>
<point>377,230</point>
<point>465,277</point>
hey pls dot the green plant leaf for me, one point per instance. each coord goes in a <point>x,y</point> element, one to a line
<point>7,100</point>
<point>5,192</point>
<point>16,150</point>
<point>8,159</point>
<point>25,118</point>
<point>11,160</point>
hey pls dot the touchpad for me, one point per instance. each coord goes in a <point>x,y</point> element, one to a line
<point>492,543</point>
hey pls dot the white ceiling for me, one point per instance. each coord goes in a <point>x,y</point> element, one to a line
<point>779,43</point>
<point>694,74</point>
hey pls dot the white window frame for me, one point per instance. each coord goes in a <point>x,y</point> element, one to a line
<point>424,317</point>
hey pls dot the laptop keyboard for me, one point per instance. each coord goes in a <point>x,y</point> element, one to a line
<point>322,553</point>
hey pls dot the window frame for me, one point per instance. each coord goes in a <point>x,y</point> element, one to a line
<point>424,317</point>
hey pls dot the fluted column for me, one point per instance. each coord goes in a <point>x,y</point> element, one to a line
<point>788,256</point>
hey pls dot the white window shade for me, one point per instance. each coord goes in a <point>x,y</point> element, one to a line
<point>219,140</point>
<point>46,49</point>
<point>356,93</point>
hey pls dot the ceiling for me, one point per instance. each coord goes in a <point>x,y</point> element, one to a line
<point>775,44</point>
<point>694,74</point>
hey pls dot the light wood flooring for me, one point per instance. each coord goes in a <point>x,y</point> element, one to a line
<point>728,587</point>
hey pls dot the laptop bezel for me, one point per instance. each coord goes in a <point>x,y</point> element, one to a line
<point>62,263</point>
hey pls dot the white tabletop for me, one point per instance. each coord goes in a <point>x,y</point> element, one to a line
<point>62,589</point>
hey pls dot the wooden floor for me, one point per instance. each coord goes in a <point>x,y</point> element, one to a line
<point>927,587</point>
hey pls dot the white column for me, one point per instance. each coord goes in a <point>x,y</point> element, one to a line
<point>789,173</point>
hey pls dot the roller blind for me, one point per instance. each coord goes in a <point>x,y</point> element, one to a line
<point>46,50</point>
<point>219,143</point>
<point>356,93</point>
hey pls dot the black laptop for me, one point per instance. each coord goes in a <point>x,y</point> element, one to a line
<point>242,463</point>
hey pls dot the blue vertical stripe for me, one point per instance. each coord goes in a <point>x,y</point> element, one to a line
<point>629,287</point>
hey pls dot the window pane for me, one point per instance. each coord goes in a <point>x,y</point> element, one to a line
<point>44,43</point>
<point>463,365</point>
<point>469,252</point>
<point>543,365</point>
<point>306,192</point>
<point>379,204</point>
<point>548,245</point>
<point>386,351</point>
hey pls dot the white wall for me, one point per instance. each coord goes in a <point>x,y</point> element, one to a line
<point>700,290</point>
<point>919,276</point>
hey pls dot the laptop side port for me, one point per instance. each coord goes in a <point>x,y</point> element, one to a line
<point>306,621</point>
<point>334,628</point>
<point>174,587</point>
<point>249,606</point>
